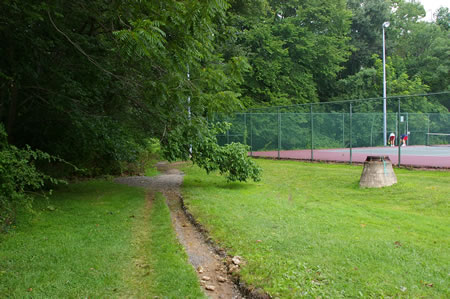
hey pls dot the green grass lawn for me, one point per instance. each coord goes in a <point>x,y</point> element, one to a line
<point>95,239</point>
<point>309,230</point>
<point>172,277</point>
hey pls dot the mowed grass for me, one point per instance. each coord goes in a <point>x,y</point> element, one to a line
<point>172,277</point>
<point>95,239</point>
<point>309,230</point>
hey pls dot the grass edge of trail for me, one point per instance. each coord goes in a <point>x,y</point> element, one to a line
<point>137,274</point>
<point>83,242</point>
<point>161,264</point>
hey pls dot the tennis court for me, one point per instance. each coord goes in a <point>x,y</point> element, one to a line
<point>347,131</point>
<point>413,156</point>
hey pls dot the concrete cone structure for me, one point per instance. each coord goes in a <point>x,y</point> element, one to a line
<point>377,172</point>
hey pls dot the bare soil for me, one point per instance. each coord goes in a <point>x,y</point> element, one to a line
<point>210,267</point>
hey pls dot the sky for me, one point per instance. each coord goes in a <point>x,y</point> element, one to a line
<point>432,5</point>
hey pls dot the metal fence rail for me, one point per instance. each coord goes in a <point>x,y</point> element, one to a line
<point>339,125</point>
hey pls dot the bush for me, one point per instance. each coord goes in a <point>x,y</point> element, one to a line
<point>197,142</point>
<point>19,178</point>
<point>234,163</point>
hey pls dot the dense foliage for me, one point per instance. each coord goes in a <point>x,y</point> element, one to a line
<point>417,51</point>
<point>198,142</point>
<point>19,177</point>
<point>92,81</point>
<point>295,48</point>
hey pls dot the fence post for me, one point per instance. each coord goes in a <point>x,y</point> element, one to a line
<point>398,136</point>
<point>245,134</point>
<point>279,132</point>
<point>343,130</point>
<point>428,131</point>
<point>351,151</point>
<point>251,135</point>
<point>312,131</point>
<point>407,127</point>
<point>396,125</point>
<point>371,130</point>
<point>228,134</point>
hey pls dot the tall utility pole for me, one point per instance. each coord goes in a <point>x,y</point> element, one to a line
<point>385,25</point>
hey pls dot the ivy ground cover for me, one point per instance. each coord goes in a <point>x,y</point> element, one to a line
<point>309,230</point>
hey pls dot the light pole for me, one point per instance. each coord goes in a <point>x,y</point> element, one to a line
<point>189,108</point>
<point>385,25</point>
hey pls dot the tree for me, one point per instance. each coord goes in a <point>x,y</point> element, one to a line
<point>368,84</point>
<point>418,50</point>
<point>367,19</point>
<point>443,18</point>
<point>89,80</point>
<point>295,48</point>
<point>63,92</point>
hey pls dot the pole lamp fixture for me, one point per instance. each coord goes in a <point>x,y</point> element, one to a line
<point>385,25</point>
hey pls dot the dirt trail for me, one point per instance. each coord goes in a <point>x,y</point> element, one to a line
<point>209,266</point>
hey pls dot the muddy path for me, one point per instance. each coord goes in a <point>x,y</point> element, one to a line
<point>210,267</point>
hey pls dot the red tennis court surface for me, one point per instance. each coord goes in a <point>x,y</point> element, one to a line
<point>413,156</point>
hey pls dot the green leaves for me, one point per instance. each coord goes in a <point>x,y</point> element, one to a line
<point>18,177</point>
<point>443,18</point>
<point>144,39</point>
<point>101,78</point>
<point>234,163</point>
<point>295,48</point>
<point>417,48</point>
<point>197,142</point>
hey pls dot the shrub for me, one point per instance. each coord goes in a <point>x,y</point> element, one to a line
<point>19,178</point>
<point>197,142</point>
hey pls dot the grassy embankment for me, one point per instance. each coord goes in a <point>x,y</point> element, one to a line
<point>95,239</point>
<point>308,229</point>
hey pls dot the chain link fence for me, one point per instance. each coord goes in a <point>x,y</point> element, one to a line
<point>274,131</point>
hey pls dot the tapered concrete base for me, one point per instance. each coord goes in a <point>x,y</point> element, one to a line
<point>377,172</point>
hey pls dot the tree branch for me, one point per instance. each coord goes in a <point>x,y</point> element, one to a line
<point>85,54</point>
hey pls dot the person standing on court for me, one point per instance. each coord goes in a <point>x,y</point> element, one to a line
<point>404,138</point>
<point>392,139</point>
